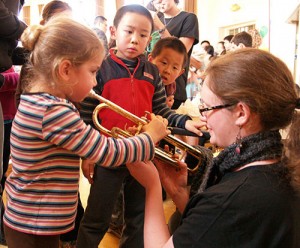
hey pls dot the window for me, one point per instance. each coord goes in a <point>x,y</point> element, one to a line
<point>246,28</point>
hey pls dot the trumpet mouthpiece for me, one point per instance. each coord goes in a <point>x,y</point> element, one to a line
<point>92,93</point>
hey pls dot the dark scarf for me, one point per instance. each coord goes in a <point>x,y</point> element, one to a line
<point>256,147</point>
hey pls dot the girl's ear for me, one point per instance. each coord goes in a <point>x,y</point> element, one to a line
<point>65,68</point>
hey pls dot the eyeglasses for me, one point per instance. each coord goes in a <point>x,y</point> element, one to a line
<point>201,110</point>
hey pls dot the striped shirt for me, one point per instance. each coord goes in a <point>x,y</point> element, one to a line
<point>47,139</point>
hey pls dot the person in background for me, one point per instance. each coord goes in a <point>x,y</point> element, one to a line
<point>205,43</point>
<point>7,99</point>
<point>55,8</point>
<point>11,29</point>
<point>183,25</point>
<point>221,50</point>
<point>170,56</point>
<point>249,196</point>
<point>227,41</point>
<point>125,68</point>
<point>100,27</point>
<point>241,40</point>
<point>209,54</point>
<point>256,38</point>
<point>51,10</point>
<point>48,138</point>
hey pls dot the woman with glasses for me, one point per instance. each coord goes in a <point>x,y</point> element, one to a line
<point>248,196</point>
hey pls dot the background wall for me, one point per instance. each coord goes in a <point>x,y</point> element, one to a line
<point>270,17</point>
<point>215,19</point>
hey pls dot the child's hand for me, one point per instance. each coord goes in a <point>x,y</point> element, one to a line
<point>170,100</point>
<point>157,128</point>
<point>88,169</point>
<point>194,126</point>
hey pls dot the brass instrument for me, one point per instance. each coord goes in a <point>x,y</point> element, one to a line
<point>140,122</point>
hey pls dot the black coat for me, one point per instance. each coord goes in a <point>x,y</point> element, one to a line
<point>11,29</point>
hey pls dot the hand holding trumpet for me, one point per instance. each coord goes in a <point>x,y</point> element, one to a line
<point>156,128</point>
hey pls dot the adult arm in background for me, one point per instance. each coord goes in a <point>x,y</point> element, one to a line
<point>174,181</point>
<point>11,29</point>
<point>188,42</point>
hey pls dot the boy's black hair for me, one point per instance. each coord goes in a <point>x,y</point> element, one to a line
<point>132,8</point>
<point>173,43</point>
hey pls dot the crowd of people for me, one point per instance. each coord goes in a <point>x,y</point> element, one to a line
<point>246,196</point>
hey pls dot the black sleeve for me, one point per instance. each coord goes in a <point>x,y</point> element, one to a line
<point>11,27</point>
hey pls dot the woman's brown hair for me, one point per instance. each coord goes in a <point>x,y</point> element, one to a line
<point>266,85</point>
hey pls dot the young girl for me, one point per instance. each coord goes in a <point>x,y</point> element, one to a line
<point>48,137</point>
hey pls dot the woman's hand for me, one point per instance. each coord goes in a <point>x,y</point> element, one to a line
<point>174,181</point>
<point>145,173</point>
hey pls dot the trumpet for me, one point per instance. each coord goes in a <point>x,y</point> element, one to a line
<point>140,122</point>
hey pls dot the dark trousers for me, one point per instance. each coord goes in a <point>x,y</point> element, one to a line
<point>103,195</point>
<point>72,235</point>
<point>17,239</point>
